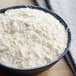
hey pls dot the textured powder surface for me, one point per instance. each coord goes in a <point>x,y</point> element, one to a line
<point>30,38</point>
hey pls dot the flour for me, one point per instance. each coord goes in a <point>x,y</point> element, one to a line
<point>30,38</point>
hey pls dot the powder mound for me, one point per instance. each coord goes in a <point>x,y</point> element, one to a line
<point>30,38</point>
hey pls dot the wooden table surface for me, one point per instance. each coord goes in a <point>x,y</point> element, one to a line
<point>61,68</point>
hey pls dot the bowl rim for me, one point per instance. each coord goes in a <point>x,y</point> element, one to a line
<point>58,18</point>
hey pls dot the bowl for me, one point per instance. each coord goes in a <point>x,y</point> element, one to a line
<point>37,70</point>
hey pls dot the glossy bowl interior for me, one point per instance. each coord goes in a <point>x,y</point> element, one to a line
<point>34,71</point>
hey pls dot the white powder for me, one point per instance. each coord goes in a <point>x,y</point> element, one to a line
<point>30,38</point>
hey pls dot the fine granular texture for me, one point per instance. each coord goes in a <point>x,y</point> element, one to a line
<point>30,38</point>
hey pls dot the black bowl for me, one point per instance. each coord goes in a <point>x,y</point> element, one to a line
<point>34,71</point>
